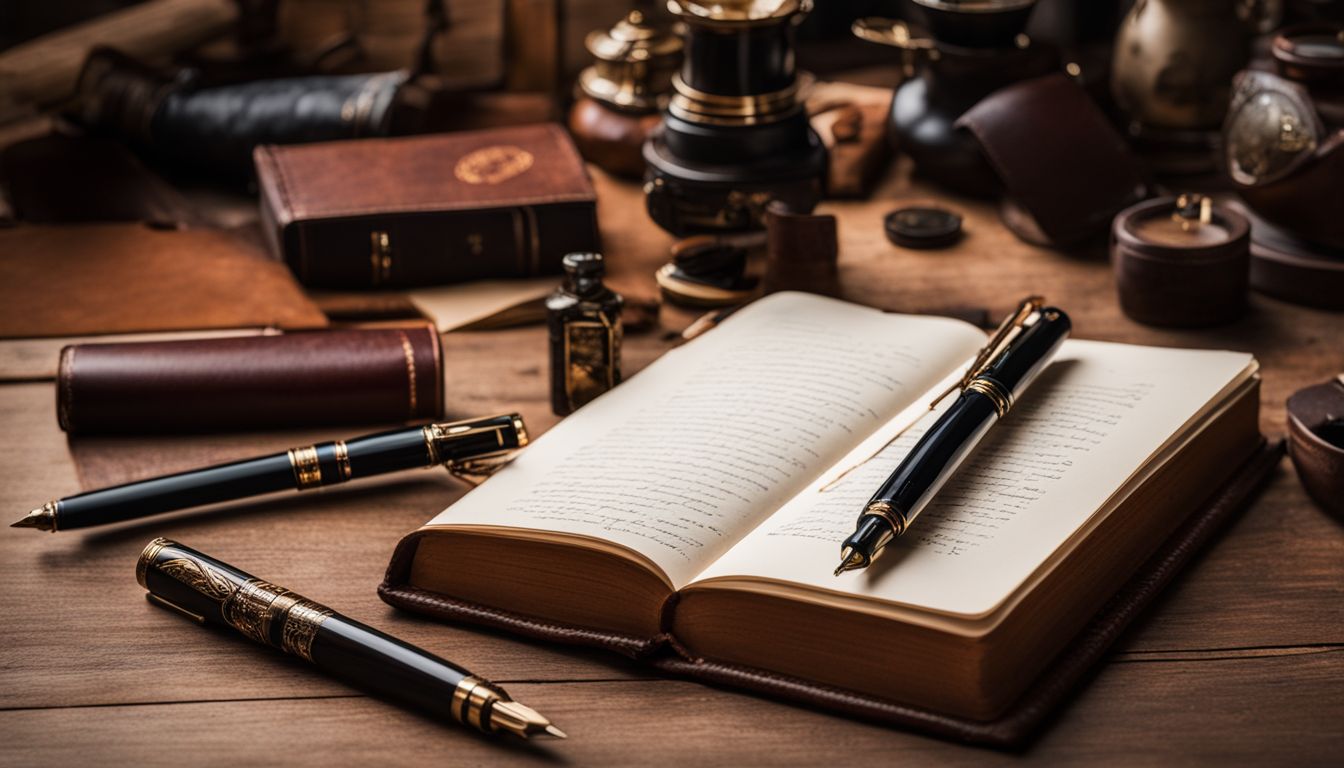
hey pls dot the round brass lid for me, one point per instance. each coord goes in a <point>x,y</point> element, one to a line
<point>737,11</point>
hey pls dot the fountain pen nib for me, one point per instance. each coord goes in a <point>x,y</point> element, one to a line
<point>850,560</point>
<point>522,720</point>
<point>42,518</point>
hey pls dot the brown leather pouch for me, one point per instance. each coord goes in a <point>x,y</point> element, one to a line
<point>1065,169</point>
<point>317,378</point>
<point>427,210</point>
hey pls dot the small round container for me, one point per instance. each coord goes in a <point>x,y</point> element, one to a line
<point>1177,272</point>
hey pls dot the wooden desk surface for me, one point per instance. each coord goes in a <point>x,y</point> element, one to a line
<point>1242,661</point>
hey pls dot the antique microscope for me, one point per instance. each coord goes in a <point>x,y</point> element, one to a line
<point>735,134</point>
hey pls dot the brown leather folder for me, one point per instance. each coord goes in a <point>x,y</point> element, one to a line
<point>132,278</point>
<point>311,378</point>
<point>1012,729</point>
<point>427,210</point>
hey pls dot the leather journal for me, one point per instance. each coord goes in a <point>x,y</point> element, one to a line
<point>691,518</point>
<point>385,375</point>
<point>427,210</point>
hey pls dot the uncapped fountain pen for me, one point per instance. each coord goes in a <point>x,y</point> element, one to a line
<point>210,592</point>
<point>464,447</point>
<point>1019,350</point>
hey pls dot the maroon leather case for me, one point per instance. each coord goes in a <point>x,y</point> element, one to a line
<point>318,378</point>
<point>426,210</point>
<point>1014,728</point>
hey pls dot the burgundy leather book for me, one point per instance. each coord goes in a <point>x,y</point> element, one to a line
<point>427,210</point>
<point>318,378</point>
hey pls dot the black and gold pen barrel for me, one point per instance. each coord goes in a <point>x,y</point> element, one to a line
<point>314,466</point>
<point>985,398</point>
<point>210,592</point>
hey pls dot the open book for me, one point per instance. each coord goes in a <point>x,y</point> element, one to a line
<point>696,505</point>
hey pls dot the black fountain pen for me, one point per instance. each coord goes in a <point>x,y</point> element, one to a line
<point>1019,350</point>
<point>465,447</point>
<point>213,593</point>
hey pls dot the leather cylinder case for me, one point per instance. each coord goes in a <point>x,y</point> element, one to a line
<point>318,378</point>
<point>801,252</point>
<point>1190,283</point>
<point>1065,169</point>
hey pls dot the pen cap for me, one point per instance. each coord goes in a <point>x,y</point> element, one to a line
<point>184,580</point>
<point>1030,352</point>
<point>477,438</point>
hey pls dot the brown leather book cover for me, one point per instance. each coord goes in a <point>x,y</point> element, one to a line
<point>427,210</point>
<point>1026,718</point>
<point>301,379</point>
<point>131,278</point>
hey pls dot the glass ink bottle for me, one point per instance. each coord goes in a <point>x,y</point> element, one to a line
<point>584,320</point>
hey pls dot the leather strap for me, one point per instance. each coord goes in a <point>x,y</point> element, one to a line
<point>1065,169</point>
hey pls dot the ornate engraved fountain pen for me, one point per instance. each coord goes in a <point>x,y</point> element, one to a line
<point>210,592</point>
<point>1020,348</point>
<point>464,447</point>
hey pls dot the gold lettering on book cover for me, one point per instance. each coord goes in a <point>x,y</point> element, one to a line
<point>493,165</point>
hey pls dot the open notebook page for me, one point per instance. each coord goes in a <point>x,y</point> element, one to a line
<point>1091,420</point>
<point>685,458</point>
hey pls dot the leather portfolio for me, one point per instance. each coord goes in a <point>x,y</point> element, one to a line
<point>361,376</point>
<point>131,278</point>
<point>427,210</point>
<point>1014,728</point>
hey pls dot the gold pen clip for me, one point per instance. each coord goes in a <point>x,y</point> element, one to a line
<point>1003,336</point>
<point>475,471</point>
<point>1008,330</point>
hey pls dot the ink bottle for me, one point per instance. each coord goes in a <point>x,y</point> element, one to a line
<point>584,321</point>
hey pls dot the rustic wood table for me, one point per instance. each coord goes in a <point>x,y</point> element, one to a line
<point>1241,661</point>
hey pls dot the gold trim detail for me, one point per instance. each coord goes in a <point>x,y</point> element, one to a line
<point>300,627</point>
<point>696,106</point>
<point>151,551</point>
<point>380,256</point>
<point>199,577</point>
<point>342,459</point>
<point>470,697</point>
<point>1000,397</point>
<point>888,513</point>
<point>409,352</point>
<point>248,609</point>
<point>175,608</point>
<point>307,469</point>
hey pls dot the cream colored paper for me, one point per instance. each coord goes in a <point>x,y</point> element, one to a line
<point>684,459</point>
<point>1093,418</point>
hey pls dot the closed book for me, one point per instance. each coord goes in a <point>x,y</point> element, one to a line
<point>381,375</point>
<point>427,210</point>
<point>692,517</point>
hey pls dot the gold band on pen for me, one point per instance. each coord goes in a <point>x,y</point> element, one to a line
<point>307,469</point>
<point>889,514</point>
<point>1000,397</point>
<point>342,459</point>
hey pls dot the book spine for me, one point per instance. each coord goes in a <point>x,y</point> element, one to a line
<point>402,250</point>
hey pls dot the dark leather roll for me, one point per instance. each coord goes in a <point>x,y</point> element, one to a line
<point>1314,413</point>
<point>1065,169</point>
<point>318,378</point>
